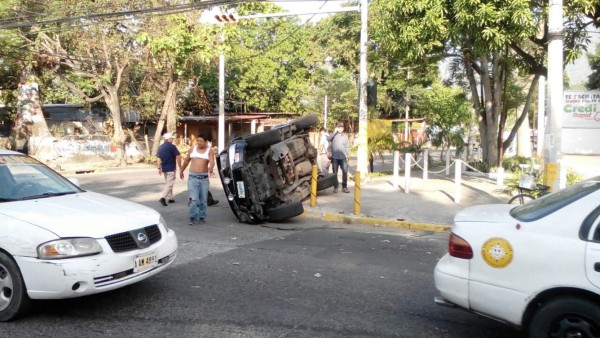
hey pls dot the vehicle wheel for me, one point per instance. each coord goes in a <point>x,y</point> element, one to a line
<point>327,181</point>
<point>521,199</point>
<point>566,317</point>
<point>306,121</point>
<point>13,296</point>
<point>285,211</point>
<point>263,139</point>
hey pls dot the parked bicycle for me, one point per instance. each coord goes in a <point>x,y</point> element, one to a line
<point>528,189</point>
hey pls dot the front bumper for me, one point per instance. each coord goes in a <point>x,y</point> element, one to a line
<point>75,277</point>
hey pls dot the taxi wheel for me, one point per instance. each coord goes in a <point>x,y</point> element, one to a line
<point>566,317</point>
<point>13,296</point>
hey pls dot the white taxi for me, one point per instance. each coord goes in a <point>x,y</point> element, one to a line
<point>59,241</point>
<point>535,266</point>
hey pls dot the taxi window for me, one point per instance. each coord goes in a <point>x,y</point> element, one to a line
<point>550,203</point>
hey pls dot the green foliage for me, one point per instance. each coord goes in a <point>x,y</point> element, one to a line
<point>482,166</point>
<point>514,163</point>
<point>447,112</point>
<point>573,176</point>
<point>594,62</point>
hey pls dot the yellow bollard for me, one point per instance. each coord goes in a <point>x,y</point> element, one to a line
<point>313,186</point>
<point>357,193</point>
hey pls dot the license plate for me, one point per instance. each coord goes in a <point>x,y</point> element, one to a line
<point>143,262</point>
<point>241,190</point>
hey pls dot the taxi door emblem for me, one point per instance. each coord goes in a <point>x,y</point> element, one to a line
<point>497,252</point>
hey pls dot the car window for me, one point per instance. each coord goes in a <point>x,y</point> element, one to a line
<point>22,177</point>
<point>550,203</point>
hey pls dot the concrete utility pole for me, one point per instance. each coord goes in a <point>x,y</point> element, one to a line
<point>221,98</point>
<point>361,160</point>
<point>541,118</point>
<point>552,139</point>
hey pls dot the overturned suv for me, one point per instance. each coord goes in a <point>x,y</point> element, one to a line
<point>266,175</point>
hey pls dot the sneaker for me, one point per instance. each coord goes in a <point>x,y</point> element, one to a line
<point>163,202</point>
<point>345,190</point>
<point>192,222</point>
<point>335,190</point>
<point>201,221</point>
<point>171,201</point>
<point>213,202</point>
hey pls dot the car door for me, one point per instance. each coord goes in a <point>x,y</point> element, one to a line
<point>592,258</point>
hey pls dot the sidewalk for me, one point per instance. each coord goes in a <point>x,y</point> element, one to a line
<point>429,205</point>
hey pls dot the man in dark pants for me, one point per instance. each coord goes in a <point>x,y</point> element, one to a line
<point>341,151</point>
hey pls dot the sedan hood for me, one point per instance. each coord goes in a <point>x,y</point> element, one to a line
<point>86,214</point>
<point>488,213</point>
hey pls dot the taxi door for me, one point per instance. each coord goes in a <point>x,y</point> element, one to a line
<point>592,259</point>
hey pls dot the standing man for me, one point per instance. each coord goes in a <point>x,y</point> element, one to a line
<point>322,160</point>
<point>340,147</point>
<point>202,160</point>
<point>167,157</point>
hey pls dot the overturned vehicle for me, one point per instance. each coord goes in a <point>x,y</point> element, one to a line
<point>266,175</point>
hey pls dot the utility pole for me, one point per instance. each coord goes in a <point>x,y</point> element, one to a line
<point>361,160</point>
<point>552,138</point>
<point>221,97</point>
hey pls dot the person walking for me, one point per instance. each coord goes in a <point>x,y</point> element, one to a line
<point>340,147</point>
<point>202,162</point>
<point>168,159</point>
<point>323,160</point>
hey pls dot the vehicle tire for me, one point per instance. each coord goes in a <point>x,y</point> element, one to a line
<point>285,211</point>
<point>264,139</point>
<point>521,197</point>
<point>566,317</point>
<point>306,121</point>
<point>13,295</point>
<point>327,181</point>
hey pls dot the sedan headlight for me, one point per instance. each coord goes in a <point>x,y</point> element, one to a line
<point>69,247</point>
<point>164,223</point>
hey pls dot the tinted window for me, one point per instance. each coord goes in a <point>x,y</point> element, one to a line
<point>550,203</point>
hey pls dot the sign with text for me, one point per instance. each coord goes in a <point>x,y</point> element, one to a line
<point>581,109</point>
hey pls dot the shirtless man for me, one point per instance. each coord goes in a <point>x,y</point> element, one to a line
<point>202,160</point>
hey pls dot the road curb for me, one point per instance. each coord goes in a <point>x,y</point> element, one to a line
<point>382,222</point>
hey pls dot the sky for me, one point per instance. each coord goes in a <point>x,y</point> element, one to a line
<point>305,6</point>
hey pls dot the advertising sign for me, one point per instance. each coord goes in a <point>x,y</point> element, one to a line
<point>581,109</point>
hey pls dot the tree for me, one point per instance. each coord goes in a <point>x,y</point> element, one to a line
<point>494,40</point>
<point>447,113</point>
<point>173,47</point>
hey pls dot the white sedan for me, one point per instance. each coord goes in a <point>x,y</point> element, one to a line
<point>535,266</point>
<point>59,241</point>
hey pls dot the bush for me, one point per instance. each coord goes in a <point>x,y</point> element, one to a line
<point>512,163</point>
<point>482,166</point>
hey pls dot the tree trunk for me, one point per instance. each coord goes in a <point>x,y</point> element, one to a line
<point>172,108</point>
<point>111,98</point>
<point>169,99</point>
<point>524,139</point>
<point>30,119</point>
<point>524,112</point>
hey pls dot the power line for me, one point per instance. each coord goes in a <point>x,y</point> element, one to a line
<point>98,16</point>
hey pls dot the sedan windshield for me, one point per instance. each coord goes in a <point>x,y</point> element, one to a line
<point>550,203</point>
<point>22,177</point>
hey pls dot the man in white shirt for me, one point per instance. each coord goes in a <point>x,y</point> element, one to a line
<point>322,160</point>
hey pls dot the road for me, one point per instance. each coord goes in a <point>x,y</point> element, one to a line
<point>302,278</point>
